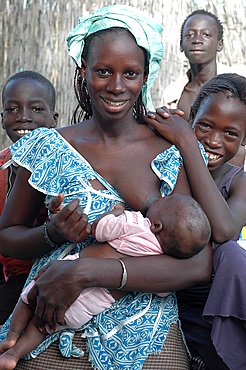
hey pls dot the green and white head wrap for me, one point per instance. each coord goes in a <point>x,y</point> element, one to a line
<point>145,30</point>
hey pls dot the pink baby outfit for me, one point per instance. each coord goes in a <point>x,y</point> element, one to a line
<point>90,302</point>
<point>128,233</point>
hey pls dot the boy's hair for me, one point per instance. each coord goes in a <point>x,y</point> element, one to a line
<point>203,12</point>
<point>31,75</point>
<point>226,82</point>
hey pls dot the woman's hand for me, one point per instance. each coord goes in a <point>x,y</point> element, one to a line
<point>57,286</point>
<point>67,223</point>
<point>170,125</point>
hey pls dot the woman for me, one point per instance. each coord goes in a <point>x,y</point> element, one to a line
<point>108,158</point>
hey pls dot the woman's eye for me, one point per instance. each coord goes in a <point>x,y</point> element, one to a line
<point>131,74</point>
<point>103,72</point>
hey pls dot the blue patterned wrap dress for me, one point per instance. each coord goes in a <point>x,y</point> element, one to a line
<point>136,325</point>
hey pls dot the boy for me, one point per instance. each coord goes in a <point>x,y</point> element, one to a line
<point>28,100</point>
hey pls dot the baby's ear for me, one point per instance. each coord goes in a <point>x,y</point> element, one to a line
<point>156,227</point>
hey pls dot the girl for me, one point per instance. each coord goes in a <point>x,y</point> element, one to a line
<point>218,119</point>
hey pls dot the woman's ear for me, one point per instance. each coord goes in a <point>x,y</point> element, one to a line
<point>83,68</point>
<point>146,74</point>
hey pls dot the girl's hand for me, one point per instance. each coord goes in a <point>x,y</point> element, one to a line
<point>170,125</point>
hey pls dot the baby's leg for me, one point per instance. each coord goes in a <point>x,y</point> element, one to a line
<point>20,318</point>
<point>23,344</point>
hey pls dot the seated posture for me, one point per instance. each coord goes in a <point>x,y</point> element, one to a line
<point>170,224</point>
<point>213,315</point>
<point>112,156</point>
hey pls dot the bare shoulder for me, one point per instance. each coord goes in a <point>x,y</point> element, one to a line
<point>73,133</point>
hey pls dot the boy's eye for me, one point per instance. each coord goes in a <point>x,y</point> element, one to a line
<point>37,109</point>
<point>189,34</point>
<point>206,35</point>
<point>11,109</point>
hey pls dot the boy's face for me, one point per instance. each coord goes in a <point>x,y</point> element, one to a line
<point>26,106</point>
<point>220,127</point>
<point>200,39</point>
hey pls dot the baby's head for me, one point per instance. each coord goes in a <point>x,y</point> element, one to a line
<point>180,225</point>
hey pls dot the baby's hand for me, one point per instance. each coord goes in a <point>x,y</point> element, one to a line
<point>117,209</point>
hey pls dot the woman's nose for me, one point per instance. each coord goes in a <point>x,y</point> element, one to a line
<point>116,85</point>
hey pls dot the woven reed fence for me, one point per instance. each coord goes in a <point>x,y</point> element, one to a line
<point>33,34</point>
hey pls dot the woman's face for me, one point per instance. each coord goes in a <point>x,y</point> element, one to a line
<point>115,74</point>
<point>220,127</point>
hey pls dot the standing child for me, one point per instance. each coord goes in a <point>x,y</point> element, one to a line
<point>218,117</point>
<point>170,224</point>
<point>28,100</point>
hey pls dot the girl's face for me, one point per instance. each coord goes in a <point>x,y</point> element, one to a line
<point>115,74</point>
<point>220,126</point>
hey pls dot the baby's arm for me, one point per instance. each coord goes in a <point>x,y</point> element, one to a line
<point>116,210</point>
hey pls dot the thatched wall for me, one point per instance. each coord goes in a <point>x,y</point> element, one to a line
<point>33,34</point>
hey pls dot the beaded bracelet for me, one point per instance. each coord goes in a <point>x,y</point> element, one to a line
<point>124,275</point>
<point>47,238</point>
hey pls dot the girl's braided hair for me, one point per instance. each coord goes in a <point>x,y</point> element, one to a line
<point>83,110</point>
<point>231,83</point>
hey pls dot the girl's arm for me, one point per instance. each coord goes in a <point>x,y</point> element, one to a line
<point>226,218</point>
<point>18,239</point>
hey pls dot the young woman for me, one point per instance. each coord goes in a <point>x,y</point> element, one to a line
<point>108,158</point>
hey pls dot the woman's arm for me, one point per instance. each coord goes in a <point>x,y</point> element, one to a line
<point>226,218</point>
<point>19,239</point>
<point>62,282</point>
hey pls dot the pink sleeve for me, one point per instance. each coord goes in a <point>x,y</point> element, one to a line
<point>110,227</point>
<point>26,291</point>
